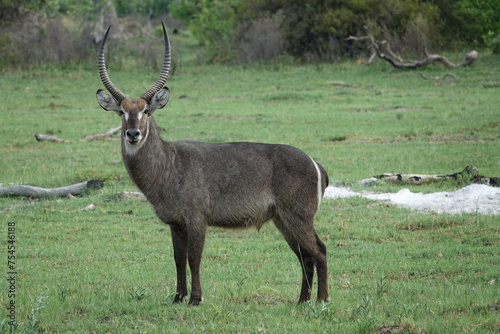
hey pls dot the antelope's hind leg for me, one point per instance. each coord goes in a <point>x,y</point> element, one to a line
<point>322,268</point>
<point>311,253</point>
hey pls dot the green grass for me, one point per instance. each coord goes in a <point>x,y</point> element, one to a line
<point>111,270</point>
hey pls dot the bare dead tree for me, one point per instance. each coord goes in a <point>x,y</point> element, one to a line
<point>382,49</point>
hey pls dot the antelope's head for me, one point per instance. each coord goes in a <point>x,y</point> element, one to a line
<point>134,113</point>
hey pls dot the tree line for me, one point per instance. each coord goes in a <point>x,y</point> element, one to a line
<point>317,29</point>
<point>242,31</point>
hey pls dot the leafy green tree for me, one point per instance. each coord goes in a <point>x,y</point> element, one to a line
<point>212,22</point>
<point>154,8</point>
<point>10,8</point>
<point>471,22</point>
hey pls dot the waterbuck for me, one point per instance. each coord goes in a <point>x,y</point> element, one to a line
<point>192,185</point>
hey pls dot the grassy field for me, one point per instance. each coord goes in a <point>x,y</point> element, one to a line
<point>111,269</point>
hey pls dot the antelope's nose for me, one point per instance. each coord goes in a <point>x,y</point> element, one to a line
<point>133,134</point>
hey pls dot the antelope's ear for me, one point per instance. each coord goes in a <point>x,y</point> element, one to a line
<point>107,102</point>
<point>159,100</point>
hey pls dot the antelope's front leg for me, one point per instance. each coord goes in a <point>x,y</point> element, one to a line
<point>196,241</point>
<point>180,242</point>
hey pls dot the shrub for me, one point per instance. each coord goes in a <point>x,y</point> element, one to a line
<point>317,29</point>
<point>33,39</point>
<point>261,39</point>
<point>469,22</point>
<point>212,23</point>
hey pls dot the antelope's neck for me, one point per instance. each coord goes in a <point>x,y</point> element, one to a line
<point>148,163</point>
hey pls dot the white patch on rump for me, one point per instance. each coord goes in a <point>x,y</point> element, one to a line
<point>320,193</point>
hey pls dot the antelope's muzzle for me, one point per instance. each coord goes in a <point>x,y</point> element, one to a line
<point>133,136</point>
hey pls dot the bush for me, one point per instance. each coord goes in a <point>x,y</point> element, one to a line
<point>317,29</point>
<point>492,40</point>
<point>261,39</point>
<point>32,39</point>
<point>469,23</point>
<point>212,23</point>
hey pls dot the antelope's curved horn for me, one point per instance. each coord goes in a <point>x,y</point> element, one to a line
<point>103,73</point>
<point>164,71</point>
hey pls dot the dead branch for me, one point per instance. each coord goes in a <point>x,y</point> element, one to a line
<point>16,206</point>
<point>382,49</point>
<point>439,77</point>
<point>125,212</point>
<point>36,192</point>
<point>42,137</point>
<point>89,207</point>
<point>109,134</point>
<point>134,195</point>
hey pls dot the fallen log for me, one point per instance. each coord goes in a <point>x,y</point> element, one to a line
<point>467,174</point>
<point>36,192</point>
<point>109,134</point>
<point>489,181</point>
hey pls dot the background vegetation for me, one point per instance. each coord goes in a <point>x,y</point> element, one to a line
<point>34,32</point>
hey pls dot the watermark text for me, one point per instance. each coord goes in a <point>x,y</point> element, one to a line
<point>11,273</point>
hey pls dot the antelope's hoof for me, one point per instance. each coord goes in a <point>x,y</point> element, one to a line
<point>195,301</point>
<point>180,298</point>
